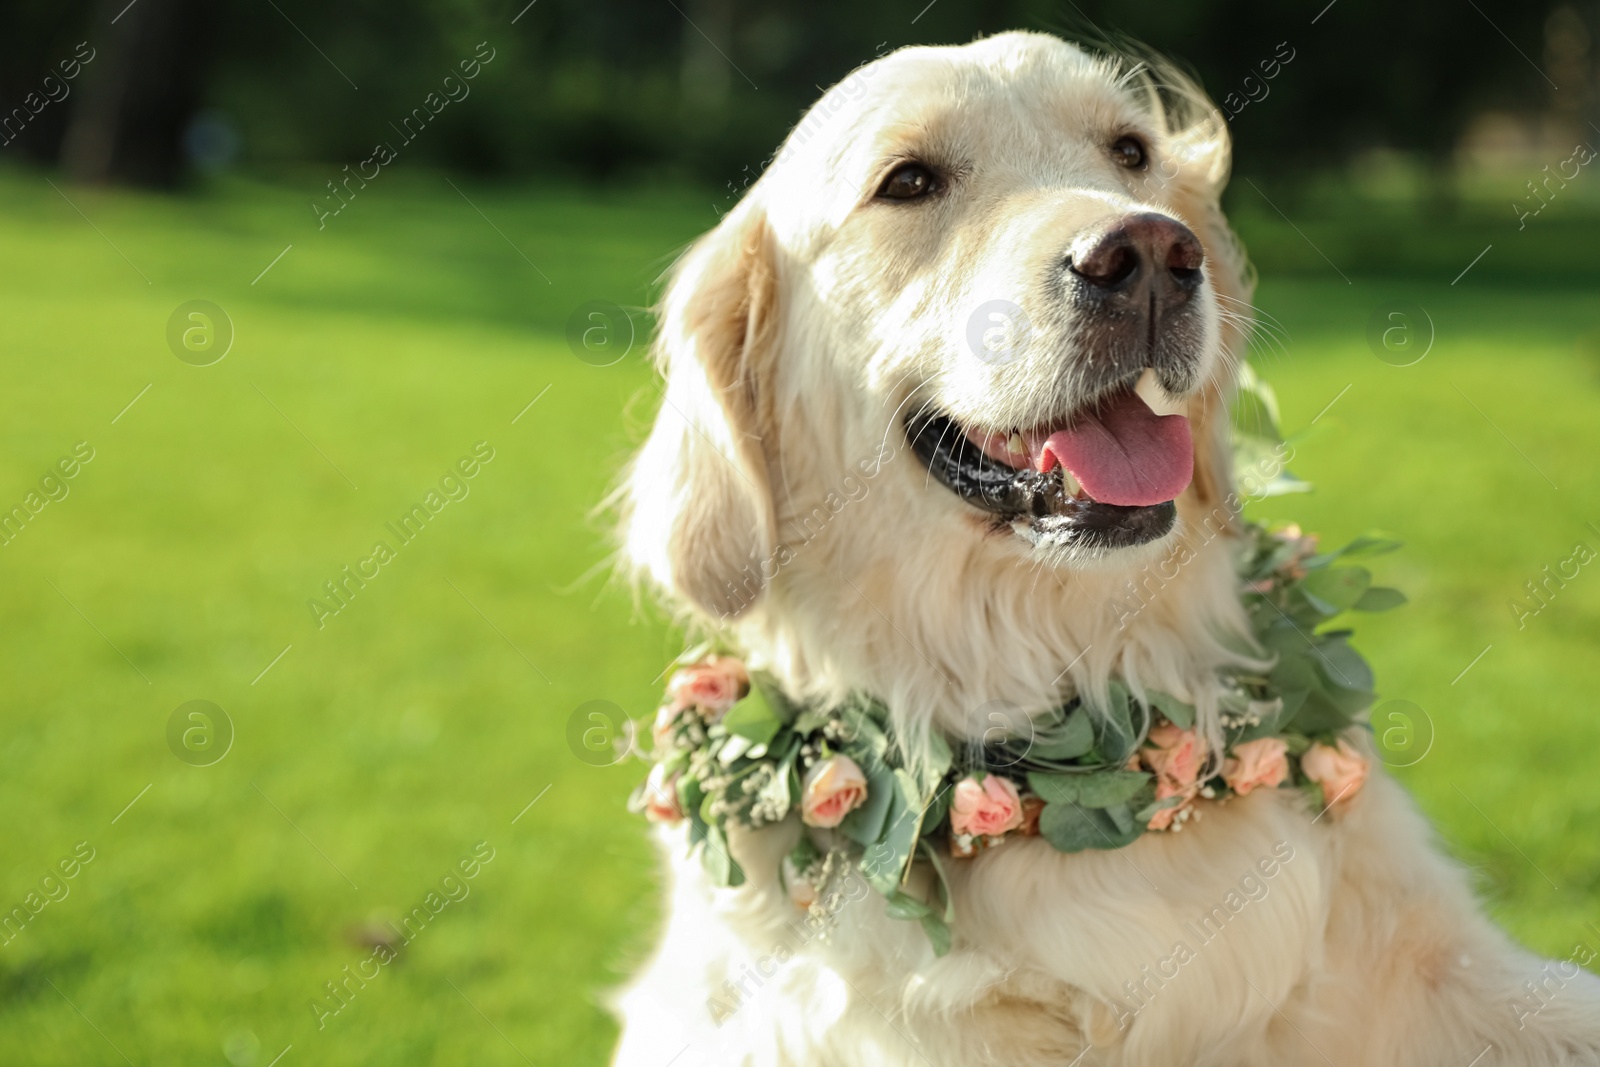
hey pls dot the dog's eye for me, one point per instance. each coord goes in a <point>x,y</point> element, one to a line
<point>907,182</point>
<point>1128,152</point>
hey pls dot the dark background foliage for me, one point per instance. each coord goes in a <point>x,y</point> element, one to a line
<point>705,88</point>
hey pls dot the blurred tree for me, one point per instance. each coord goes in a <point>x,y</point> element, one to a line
<point>708,87</point>
<point>141,93</point>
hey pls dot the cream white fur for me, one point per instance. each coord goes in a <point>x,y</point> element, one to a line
<point>776,500</point>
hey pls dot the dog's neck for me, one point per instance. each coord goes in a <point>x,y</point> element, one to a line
<point>963,645</point>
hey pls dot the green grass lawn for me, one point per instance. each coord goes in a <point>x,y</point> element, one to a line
<point>425,716</point>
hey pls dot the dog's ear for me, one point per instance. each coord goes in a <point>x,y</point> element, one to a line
<point>697,505</point>
<point>1205,151</point>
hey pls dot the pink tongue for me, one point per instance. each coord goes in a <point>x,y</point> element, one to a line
<point>1124,453</point>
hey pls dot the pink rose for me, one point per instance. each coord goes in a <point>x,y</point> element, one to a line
<point>1176,757</point>
<point>1305,546</point>
<point>1165,790</point>
<point>985,809</point>
<point>713,686</point>
<point>1263,762</point>
<point>1340,771</point>
<point>832,789</point>
<point>661,796</point>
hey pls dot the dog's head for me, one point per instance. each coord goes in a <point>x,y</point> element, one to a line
<point>973,324</point>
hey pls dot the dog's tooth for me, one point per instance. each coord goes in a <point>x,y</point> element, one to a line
<point>1015,445</point>
<point>1070,483</point>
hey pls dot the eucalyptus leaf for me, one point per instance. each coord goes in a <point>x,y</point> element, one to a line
<point>938,931</point>
<point>1149,811</point>
<point>1068,827</point>
<point>1069,740</point>
<point>938,764</point>
<point>1115,736</point>
<point>866,732</point>
<point>905,906</point>
<point>753,719</point>
<point>1339,587</point>
<point>1255,410</point>
<point>931,854</point>
<point>1352,702</point>
<point>1344,666</point>
<point>1286,638</point>
<point>1293,671</point>
<point>1319,715</point>
<point>937,809</point>
<point>810,721</point>
<point>718,861</point>
<point>884,861</point>
<point>1379,598</point>
<point>1055,788</point>
<point>1074,828</point>
<point>1254,416</point>
<point>691,795</point>
<point>1177,712</point>
<point>1122,817</point>
<point>1368,544</point>
<point>1106,789</point>
<point>865,824</point>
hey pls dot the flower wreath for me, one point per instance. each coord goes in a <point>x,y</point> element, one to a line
<point>729,747</point>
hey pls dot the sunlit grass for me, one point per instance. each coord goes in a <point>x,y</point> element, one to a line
<point>429,711</point>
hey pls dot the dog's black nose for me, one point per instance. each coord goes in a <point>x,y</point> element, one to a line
<point>1125,257</point>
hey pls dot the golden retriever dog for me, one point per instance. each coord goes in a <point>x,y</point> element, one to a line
<point>1019,244</point>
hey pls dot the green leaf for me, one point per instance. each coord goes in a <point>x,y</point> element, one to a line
<point>938,932</point>
<point>939,760</point>
<point>717,861</point>
<point>905,906</point>
<point>1145,814</point>
<point>860,725</point>
<point>1319,715</point>
<point>1122,817</point>
<point>1115,734</point>
<point>1286,639</point>
<point>1106,789</point>
<point>1255,406</point>
<point>809,721</point>
<point>865,824</point>
<point>1344,666</point>
<point>1271,724</point>
<point>1368,544</point>
<point>937,809</point>
<point>1068,827</point>
<point>884,861</point>
<point>804,854</point>
<point>1177,712</point>
<point>776,698</point>
<point>1379,598</point>
<point>1293,671</point>
<point>690,798</point>
<point>1074,828</point>
<point>1255,414</point>
<point>753,718</point>
<point>931,854</point>
<point>1055,788</point>
<point>1336,589</point>
<point>1350,701</point>
<point>1068,740</point>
